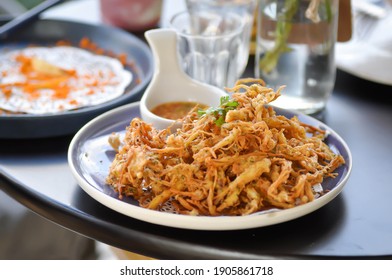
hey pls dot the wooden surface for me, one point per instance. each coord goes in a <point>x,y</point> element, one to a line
<point>345,21</point>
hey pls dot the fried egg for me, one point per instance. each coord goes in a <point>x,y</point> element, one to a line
<point>40,80</point>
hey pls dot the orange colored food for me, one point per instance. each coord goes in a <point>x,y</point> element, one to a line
<point>255,161</point>
<point>38,77</point>
<point>43,75</point>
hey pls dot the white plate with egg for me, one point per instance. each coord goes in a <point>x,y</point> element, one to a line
<point>102,81</point>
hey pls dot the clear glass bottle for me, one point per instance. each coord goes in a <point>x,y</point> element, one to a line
<point>296,48</point>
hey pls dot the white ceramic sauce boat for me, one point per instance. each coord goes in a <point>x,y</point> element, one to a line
<point>170,83</point>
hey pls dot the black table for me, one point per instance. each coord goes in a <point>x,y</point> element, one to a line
<point>356,225</point>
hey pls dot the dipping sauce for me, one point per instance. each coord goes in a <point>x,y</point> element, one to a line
<point>176,110</point>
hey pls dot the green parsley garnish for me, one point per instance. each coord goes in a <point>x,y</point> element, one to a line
<point>226,104</point>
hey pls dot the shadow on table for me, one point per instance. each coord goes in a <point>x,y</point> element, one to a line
<point>296,238</point>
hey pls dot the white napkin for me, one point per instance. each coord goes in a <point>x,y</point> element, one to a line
<point>371,57</point>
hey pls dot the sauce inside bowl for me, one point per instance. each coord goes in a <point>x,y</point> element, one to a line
<point>176,110</point>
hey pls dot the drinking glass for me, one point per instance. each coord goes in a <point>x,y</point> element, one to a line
<point>244,8</point>
<point>296,48</point>
<point>210,46</point>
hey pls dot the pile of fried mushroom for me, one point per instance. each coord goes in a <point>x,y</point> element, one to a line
<point>236,159</point>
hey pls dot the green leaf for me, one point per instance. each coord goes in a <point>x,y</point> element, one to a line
<point>226,104</point>
<point>282,31</point>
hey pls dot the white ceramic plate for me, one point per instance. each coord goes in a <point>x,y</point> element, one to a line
<point>90,155</point>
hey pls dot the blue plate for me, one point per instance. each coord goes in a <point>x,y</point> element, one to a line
<point>90,155</point>
<point>48,32</point>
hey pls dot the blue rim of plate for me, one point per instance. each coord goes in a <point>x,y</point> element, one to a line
<point>89,156</point>
<point>48,32</point>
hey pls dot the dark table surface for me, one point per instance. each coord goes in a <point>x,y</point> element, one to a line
<point>356,224</point>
